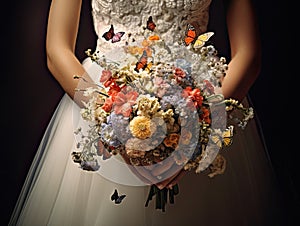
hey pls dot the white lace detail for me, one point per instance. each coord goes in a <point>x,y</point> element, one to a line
<point>130,16</point>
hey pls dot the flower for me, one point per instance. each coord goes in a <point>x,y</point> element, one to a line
<point>165,113</point>
<point>106,75</point>
<point>124,101</point>
<point>193,96</point>
<point>141,127</point>
<point>172,140</point>
<point>108,104</point>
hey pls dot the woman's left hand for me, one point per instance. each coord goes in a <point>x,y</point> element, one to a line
<point>171,181</point>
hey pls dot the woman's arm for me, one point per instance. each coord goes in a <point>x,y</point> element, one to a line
<point>63,22</point>
<point>245,63</point>
<point>244,66</point>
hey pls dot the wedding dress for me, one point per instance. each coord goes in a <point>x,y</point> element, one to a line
<point>58,192</point>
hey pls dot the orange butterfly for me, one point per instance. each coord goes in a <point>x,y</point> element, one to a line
<point>192,38</point>
<point>190,35</point>
<point>150,24</point>
<point>142,63</point>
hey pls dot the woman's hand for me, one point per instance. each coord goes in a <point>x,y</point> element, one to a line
<point>170,182</point>
<point>164,174</point>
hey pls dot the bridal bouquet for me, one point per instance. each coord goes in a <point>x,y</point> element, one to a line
<point>154,105</point>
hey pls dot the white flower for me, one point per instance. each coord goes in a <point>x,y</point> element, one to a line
<point>89,91</point>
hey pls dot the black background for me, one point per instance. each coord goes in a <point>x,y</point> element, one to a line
<point>30,93</point>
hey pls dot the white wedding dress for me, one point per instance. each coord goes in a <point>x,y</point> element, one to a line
<point>58,192</point>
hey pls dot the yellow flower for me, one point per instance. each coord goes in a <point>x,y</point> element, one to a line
<point>141,127</point>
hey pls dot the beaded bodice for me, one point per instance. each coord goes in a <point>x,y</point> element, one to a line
<point>130,16</point>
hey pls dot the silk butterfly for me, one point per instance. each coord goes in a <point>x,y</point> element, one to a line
<point>142,63</point>
<point>202,39</point>
<point>150,24</point>
<point>111,35</point>
<point>191,37</point>
<point>226,139</point>
<point>116,197</point>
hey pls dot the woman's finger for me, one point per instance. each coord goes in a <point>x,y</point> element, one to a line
<point>141,170</point>
<point>162,167</point>
<point>176,179</point>
<point>167,181</point>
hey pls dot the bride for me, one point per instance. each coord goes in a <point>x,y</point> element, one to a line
<point>57,192</point>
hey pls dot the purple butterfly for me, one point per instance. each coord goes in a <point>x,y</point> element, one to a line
<point>111,35</point>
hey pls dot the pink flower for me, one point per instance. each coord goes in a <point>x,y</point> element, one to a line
<point>106,74</point>
<point>162,86</point>
<point>124,101</point>
<point>106,78</point>
<point>208,87</point>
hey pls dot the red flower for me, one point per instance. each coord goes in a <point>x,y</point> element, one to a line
<point>124,101</point>
<point>206,115</point>
<point>108,104</point>
<point>179,74</point>
<point>114,89</point>
<point>193,95</point>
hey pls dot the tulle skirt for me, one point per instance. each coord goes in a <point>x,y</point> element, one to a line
<point>58,192</point>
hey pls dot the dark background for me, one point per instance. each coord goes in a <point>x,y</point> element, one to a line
<point>30,93</point>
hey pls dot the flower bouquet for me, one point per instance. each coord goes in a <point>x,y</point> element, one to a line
<point>158,106</point>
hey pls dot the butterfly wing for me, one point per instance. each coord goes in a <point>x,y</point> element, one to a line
<point>202,39</point>
<point>109,34</point>
<point>142,63</point>
<point>148,67</point>
<point>117,36</point>
<point>228,136</point>
<point>150,24</point>
<point>114,196</point>
<point>120,199</point>
<point>217,140</point>
<point>190,35</point>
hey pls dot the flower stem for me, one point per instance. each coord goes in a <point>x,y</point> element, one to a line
<point>161,196</point>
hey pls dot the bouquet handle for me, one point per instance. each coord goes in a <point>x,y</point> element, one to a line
<point>161,196</point>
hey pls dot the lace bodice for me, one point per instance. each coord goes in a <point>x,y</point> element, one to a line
<point>130,16</point>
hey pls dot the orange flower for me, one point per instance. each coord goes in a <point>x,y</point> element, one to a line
<point>109,82</point>
<point>124,101</point>
<point>140,127</point>
<point>154,38</point>
<point>134,50</point>
<point>145,43</point>
<point>194,95</point>
<point>114,89</point>
<point>108,104</point>
<point>206,115</point>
